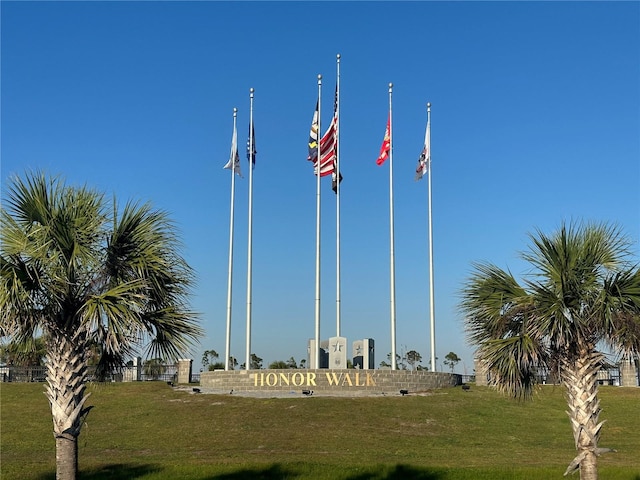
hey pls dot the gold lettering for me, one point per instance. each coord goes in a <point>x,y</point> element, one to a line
<point>311,379</point>
<point>370,381</point>
<point>272,379</point>
<point>335,379</point>
<point>297,379</point>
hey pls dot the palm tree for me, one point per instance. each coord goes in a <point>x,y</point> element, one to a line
<point>582,295</point>
<point>85,275</point>
<point>28,354</point>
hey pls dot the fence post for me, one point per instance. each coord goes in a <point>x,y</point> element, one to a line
<point>137,366</point>
<point>481,372</point>
<point>628,373</point>
<point>184,370</point>
<point>134,372</point>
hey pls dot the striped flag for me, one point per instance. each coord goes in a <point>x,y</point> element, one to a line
<point>386,144</point>
<point>425,157</point>
<point>328,147</point>
<point>234,158</point>
<point>336,176</point>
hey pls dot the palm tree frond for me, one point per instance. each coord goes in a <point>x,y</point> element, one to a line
<point>492,302</point>
<point>513,364</point>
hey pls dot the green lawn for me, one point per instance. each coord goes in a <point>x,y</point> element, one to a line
<point>150,431</point>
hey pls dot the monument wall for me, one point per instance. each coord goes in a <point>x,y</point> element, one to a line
<point>327,381</point>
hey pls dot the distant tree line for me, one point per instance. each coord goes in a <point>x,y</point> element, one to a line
<point>410,360</point>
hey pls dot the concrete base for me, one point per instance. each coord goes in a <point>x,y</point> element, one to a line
<point>628,373</point>
<point>184,370</point>
<point>482,374</point>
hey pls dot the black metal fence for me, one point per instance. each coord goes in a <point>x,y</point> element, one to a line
<point>164,373</point>
<point>169,373</point>
<point>23,374</point>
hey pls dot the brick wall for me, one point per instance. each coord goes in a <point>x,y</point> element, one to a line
<point>348,381</point>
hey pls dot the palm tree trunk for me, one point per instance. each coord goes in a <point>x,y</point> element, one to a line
<point>66,457</point>
<point>65,389</point>
<point>580,379</point>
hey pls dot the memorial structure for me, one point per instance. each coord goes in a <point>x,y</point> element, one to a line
<point>332,378</point>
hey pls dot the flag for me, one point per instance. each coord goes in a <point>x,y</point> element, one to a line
<point>251,142</point>
<point>334,181</point>
<point>386,143</point>
<point>313,138</point>
<point>425,157</point>
<point>332,148</point>
<point>234,158</point>
<point>328,147</point>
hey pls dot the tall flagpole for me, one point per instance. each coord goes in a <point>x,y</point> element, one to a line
<point>230,276</point>
<point>431,286</point>
<point>392,247</point>
<point>337,174</point>
<point>249,250</point>
<point>317,306</point>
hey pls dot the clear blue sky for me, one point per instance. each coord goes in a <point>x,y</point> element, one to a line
<point>535,120</point>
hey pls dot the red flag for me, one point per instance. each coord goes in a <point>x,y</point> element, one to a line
<point>386,144</point>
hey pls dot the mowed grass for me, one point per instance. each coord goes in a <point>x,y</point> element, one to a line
<point>150,431</point>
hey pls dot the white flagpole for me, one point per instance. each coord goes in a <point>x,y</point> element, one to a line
<point>249,250</point>
<point>317,306</point>
<point>392,247</point>
<point>431,286</point>
<point>337,174</point>
<point>230,276</point>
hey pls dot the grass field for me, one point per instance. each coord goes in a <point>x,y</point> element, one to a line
<point>148,430</point>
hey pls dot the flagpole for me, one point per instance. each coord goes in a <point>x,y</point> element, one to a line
<point>392,247</point>
<point>317,305</point>
<point>431,286</point>
<point>249,248</point>
<point>230,276</point>
<point>337,174</point>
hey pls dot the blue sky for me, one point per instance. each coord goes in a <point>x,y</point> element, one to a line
<point>535,120</point>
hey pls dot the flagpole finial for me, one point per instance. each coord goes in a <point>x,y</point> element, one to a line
<point>428,104</point>
<point>338,57</point>
<point>390,86</point>
<point>235,110</point>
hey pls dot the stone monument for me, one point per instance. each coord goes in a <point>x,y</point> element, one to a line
<point>322,352</point>
<point>363,354</point>
<point>337,352</point>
